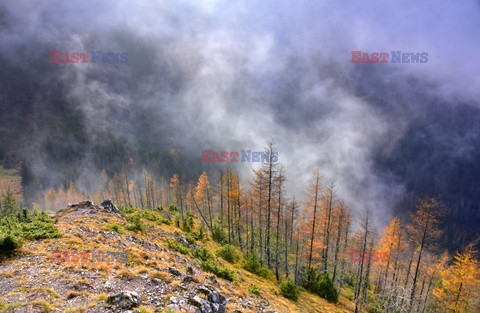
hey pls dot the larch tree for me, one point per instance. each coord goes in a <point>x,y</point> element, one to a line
<point>329,201</point>
<point>203,196</point>
<point>424,232</point>
<point>270,171</point>
<point>177,192</point>
<point>279,183</point>
<point>460,284</point>
<point>312,206</point>
<point>391,240</point>
<point>365,225</point>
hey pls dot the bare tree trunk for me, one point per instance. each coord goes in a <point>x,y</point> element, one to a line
<point>229,222</point>
<point>269,206</point>
<point>327,228</point>
<point>277,275</point>
<point>337,246</point>
<point>314,221</point>
<point>252,237</point>
<point>428,292</point>
<point>239,217</point>
<point>360,274</point>
<point>126,183</point>
<point>260,222</point>
<point>222,222</point>
<point>285,240</point>
<point>414,284</point>
<point>296,264</point>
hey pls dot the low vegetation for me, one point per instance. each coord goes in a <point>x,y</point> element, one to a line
<point>177,247</point>
<point>289,290</point>
<point>229,253</point>
<point>321,285</point>
<point>18,226</point>
<point>252,265</point>
<point>220,271</point>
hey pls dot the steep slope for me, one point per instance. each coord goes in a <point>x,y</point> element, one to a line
<point>157,277</point>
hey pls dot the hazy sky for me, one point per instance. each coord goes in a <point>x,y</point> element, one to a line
<point>229,75</point>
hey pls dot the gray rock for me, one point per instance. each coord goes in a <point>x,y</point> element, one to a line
<point>125,300</point>
<point>218,308</point>
<point>203,290</point>
<point>109,206</point>
<point>173,307</point>
<point>264,303</point>
<point>173,300</point>
<point>187,279</point>
<point>197,301</point>
<point>172,270</point>
<point>157,281</point>
<point>182,239</point>
<point>213,279</point>
<point>216,297</point>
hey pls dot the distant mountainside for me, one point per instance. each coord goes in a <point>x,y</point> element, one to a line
<point>435,151</point>
<point>48,135</point>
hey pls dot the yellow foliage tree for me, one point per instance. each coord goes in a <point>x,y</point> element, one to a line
<point>312,209</point>
<point>460,284</point>
<point>203,195</point>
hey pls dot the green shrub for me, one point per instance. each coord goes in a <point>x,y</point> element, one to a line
<point>124,211</point>
<point>149,215</point>
<point>153,217</point>
<point>254,289</point>
<point>39,229</point>
<point>218,234</point>
<point>327,290</point>
<point>187,223</point>
<point>9,205</point>
<point>199,235</point>
<point>252,265</point>
<point>177,247</point>
<point>348,293</point>
<point>229,253</point>
<point>115,228</point>
<point>321,285</point>
<point>289,290</point>
<point>135,224</point>
<point>189,238</point>
<point>222,272</point>
<point>173,208</point>
<point>25,225</point>
<point>9,243</point>
<point>203,254</point>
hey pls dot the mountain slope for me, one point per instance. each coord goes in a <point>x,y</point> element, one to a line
<point>165,280</point>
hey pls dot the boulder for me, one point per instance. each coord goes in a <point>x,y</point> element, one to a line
<point>109,206</point>
<point>125,300</point>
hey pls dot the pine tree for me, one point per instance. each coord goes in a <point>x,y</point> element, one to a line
<point>9,205</point>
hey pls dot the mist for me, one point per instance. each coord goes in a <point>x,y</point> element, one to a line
<point>231,75</point>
